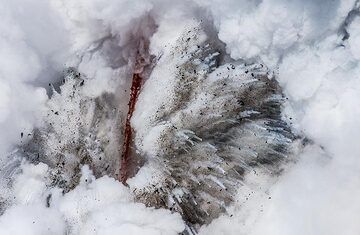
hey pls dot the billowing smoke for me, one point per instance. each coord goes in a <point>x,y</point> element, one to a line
<point>246,121</point>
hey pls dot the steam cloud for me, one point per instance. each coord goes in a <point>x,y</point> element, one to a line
<point>311,47</point>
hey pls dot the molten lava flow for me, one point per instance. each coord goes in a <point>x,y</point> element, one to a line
<point>125,156</point>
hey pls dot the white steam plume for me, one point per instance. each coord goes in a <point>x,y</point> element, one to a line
<point>312,48</point>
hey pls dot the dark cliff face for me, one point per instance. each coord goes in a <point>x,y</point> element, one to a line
<point>215,120</point>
